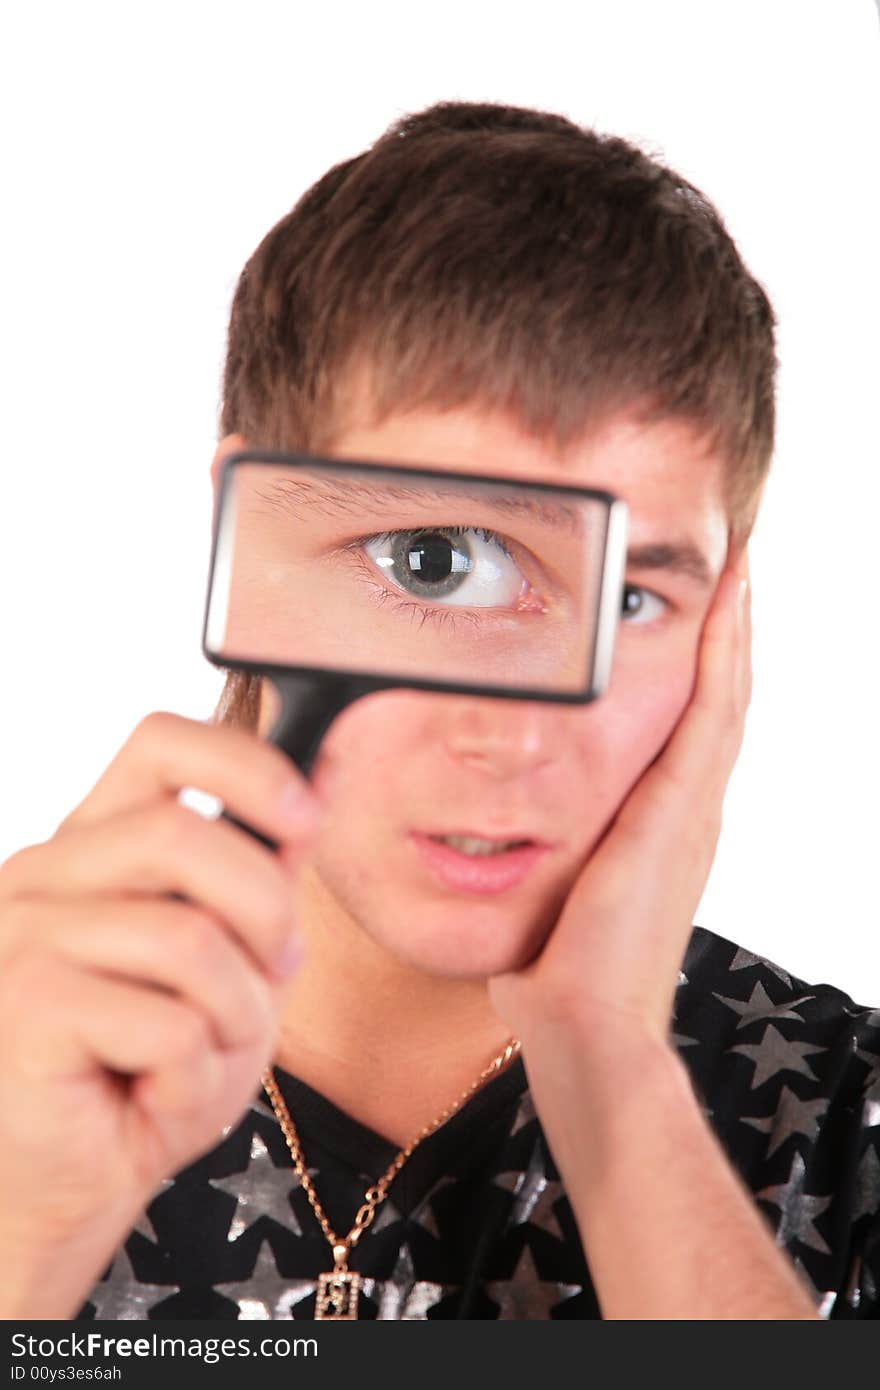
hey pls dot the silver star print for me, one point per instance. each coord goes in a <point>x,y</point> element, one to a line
<point>144,1224</point>
<point>760,1005</point>
<point>775,1053</point>
<point>534,1195</point>
<point>525,1112</point>
<point>867,1198</point>
<point>403,1298</point>
<point>265,1295</point>
<point>799,1211</point>
<point>682,1040</point>
<point>792,1116</point>
<point>123,1295</point>
<point>525,1295</point>
<point>423,1214</point>
<point>261,1190</point>
<point>744,958</point>
<point>387,1214</point>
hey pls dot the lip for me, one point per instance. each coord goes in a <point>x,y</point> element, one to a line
<point>465,873</point>
<point>493,839</point>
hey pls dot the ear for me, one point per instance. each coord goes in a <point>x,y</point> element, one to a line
<point>230,444</point>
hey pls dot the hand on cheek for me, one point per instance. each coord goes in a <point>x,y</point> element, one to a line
<point>613,957</point>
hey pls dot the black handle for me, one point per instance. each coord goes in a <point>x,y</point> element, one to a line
<point>309,704</point>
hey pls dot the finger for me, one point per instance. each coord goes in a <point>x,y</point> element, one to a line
<point>181,1087</point>
<point>167,753</point>
<point>165,848</point>
<point>705,742</point>
<point>173,945</point>
<point>126,1027</point>
<point>676,806</point>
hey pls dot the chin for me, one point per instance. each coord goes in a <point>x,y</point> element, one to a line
<point>473,947</point>
<point>454,936</point>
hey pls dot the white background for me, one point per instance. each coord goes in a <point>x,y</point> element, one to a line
<point>149,148</point>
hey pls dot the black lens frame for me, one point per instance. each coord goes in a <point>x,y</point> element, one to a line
<point>610,590</point>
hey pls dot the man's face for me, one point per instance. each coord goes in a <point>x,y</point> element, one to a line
<point>406,760</point>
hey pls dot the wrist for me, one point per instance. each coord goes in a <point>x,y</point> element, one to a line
<point>604,1046</point>
<point>590,1085</point>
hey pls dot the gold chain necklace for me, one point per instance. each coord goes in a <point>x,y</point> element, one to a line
<point>338,1290</point>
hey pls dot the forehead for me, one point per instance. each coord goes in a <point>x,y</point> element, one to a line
<point>662,471</point>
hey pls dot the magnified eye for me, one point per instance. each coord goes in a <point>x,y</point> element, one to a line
<point>458,566</point>
<point>641,606</point>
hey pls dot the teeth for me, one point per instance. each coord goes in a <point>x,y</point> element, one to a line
<point>467,844</point>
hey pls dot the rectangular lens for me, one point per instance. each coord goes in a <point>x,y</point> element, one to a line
<point>374,569</point>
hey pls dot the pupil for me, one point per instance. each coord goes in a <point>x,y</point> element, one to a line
<point>632,600</point>
<point>430,557</point>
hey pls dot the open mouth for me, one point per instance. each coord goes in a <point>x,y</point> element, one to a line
<point>470,863</point>
<point>477,845</point>
<point>480,845</point>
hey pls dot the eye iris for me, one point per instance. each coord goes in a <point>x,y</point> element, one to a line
<point>429,564</point>
<point>632,600</point>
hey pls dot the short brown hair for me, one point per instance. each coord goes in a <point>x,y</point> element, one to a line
<point>509,258</point>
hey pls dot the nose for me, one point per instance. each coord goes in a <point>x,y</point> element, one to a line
<point>503,738</point>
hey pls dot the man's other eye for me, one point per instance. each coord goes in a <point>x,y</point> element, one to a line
<point>640,605</point>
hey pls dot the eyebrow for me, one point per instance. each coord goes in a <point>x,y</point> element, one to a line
<point>347,496</point>
<point>677,557</point>
<point>332,496</point>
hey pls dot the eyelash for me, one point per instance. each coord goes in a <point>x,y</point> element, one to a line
<point>439,614</point>
<point>483,531</point>
<point>427,615</point>
<point>383,596</point>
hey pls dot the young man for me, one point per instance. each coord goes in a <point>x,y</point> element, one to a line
<point>674,1126</point>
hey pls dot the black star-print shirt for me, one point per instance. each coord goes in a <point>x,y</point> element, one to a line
<point>477,1224</point>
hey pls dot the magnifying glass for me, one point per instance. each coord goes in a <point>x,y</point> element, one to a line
<point>337,578</point>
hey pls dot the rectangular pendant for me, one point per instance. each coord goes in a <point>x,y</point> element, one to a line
<point>338,1295</point>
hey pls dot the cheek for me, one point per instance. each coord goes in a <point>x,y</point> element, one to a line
<point>370,737</point>
<point>368,749</point>
<point>642,706</point>
<point>380,753</point>
<point>361,774</point>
